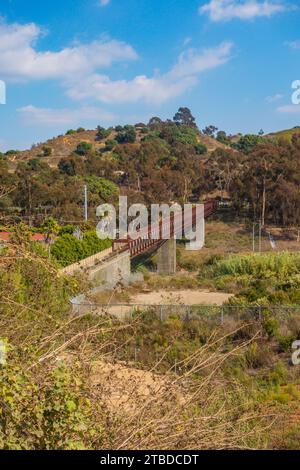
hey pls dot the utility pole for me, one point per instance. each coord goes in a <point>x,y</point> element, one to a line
<point>85,203</point>
<point>260,233</point>
<point>253,238</point>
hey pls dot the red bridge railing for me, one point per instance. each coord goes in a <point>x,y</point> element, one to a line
<point>154,235</point>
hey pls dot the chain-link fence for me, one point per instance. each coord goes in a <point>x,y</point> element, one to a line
<point>211,313</point>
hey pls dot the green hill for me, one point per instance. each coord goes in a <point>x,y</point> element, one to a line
<point>285,134</point>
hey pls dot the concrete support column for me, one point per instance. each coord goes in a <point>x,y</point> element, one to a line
<point>166,263</point>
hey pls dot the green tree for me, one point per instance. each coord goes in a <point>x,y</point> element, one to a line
<point>210,130</point>
<point>222,138</point>
<point>247,143</point>
<point>104,188</point>
<point>102,133</point>
<point>184,117</point>
<point>127,135</point>
<point>50,227</point>
<point>83,148</point>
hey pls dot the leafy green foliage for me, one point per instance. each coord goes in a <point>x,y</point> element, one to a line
<point>44,415</point>
<point>102,133</point>
<point>184,117</point>
<point>126,135</point>
<point>247,143</point>
<point>83,148</point>
<point>110,145</point>
<point>104,188</point>
<point>68,249</point>
<point>261,278</point>
<point>180,134</point>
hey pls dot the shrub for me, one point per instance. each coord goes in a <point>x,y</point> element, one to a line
<point>47,151</point>
<point>68,249</point>
<point>201,149</point>
<point>44,415</point>
<point>271,326</point>
<point>127,135</point>
<point>102,133</point>
<point>110,145</point>
<point>83,148</point>
<point>285,343</point>
<point>104,188</point>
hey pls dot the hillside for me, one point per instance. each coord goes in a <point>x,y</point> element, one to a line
<point>64,145</point>
<point>285,134</point>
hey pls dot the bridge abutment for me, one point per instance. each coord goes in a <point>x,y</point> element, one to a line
<point>166,263</point>
<point>113,271</point>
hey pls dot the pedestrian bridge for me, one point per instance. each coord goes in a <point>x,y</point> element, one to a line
<point>114,264</point>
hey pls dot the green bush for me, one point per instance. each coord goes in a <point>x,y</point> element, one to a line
<point>271,326</point>
<point>83,148</point>
<point>201,149</point>
<point>285,343</point>
<point>104,188</point>
<point>102,133</point>
<point>44,415</point>
<point>126,135</point>
<point>68,249</point>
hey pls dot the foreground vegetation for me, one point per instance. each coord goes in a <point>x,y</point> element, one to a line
<point>54,393</point>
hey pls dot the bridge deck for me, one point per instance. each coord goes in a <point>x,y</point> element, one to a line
<point>156,234</point>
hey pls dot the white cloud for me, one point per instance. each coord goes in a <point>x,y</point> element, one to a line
<point>60,117</point>
<point>103,3</point>
<point>289,109</point>
<point>19,58</point>
<point>193,62</point>
<point>226,10</point>
<point>80,68</point>
<point>293,44</point>
<point>272,99</point>
<point>156,89</point>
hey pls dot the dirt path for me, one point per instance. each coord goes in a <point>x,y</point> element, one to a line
<point>185,297</point>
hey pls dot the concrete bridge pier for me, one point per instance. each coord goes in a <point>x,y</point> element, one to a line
<point>166,263</point>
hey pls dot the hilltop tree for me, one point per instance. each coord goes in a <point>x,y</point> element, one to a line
<point>155,122</point>
<point>102,133</point>
<point>222,137</point>
<point>127,135</point>
<point>184,117</point>
<point>210,130</point>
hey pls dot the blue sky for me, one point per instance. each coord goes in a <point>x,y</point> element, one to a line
<point>78,63</point>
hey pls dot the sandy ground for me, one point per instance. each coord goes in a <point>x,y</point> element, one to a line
<point>183,297</point>
<point>124,389</point>
<point>165,297</point>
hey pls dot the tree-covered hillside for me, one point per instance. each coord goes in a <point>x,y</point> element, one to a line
<point>161,161</point>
